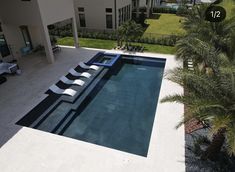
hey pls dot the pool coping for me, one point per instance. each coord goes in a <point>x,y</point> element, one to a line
<point>114,60</point>
<point>83,93</point>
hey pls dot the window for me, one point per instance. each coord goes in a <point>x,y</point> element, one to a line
<point>51,27</point>
<point>109,21</point>
<point>125,16</point>
<point>119,17</point>
<point>26,36</point>
<point>82,20</point>
<point>134,3</point>
<point>0,27</point>
<point>4,50</point>
<point>122,14</point>
<point>81,15</point>
<point>129,12</point>
<point>109,10</point>
<point>81,9</point>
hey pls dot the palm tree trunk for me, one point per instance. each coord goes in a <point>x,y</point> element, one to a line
<point>214,148</point>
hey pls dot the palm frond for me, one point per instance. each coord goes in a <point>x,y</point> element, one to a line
<point>230,136</point>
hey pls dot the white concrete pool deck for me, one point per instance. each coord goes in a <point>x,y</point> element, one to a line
<point>29,150</point>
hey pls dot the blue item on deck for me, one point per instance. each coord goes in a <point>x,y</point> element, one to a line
<point>25,50</point>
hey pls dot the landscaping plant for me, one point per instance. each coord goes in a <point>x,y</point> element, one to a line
<point>209,90</point>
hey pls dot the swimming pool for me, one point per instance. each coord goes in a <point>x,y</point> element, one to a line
<point>116,108</point>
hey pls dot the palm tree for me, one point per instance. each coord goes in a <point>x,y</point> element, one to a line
<point>204,37</point>
<point>210,99</point>
<point>129,31</point>
<point>210,88</point>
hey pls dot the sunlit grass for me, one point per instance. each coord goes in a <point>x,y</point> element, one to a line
<point>164,24</point>
<point>229,5</point>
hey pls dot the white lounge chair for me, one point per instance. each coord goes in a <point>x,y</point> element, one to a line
<point>72,82</point>
<point>8,68</point>
<point>58,90</point>
<point>84,66</point>
<point>75,73</point>
<point>190,64</point>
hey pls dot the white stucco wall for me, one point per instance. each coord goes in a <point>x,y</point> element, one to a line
<point>14,38</point>
<point>36,37</point>
<point>121,4</point>
<point>142,3</point>
<point>95,14</point>
<point>53,11</point>
<point>19,12</point>
<point>15,14</point>
<point>36,15</point>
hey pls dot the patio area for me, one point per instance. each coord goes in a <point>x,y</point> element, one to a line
<point>24,149</point>
<point>22,92</point>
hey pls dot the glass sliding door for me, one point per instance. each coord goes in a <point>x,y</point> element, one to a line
<point>82,20</point>
<point>109,21</point>
<point>4,50</point>
<point>26,36</point>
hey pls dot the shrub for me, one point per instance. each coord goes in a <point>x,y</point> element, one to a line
<point>182,11</point>
<point>66,31</point>
<point>171,1</point>
<point>164,10</point>
<point>164,40</point>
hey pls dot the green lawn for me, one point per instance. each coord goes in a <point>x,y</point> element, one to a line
<point>109,44</point>
<point>166,24</point>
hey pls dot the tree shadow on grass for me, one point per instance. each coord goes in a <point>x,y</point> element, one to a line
<point>155,16</point>
<point>152,16</point>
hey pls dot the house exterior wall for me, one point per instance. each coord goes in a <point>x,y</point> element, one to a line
<point>95,12</point>
<point>121,4</point>
<point>19,12</point>
<point>53,11</point>
<point>22,15</point>
<point>36,15</point>
<point>142,3</point>
<point>32,12</point>
<point>95,15</point>
<point>14,39</point>
<point>35,31</point>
